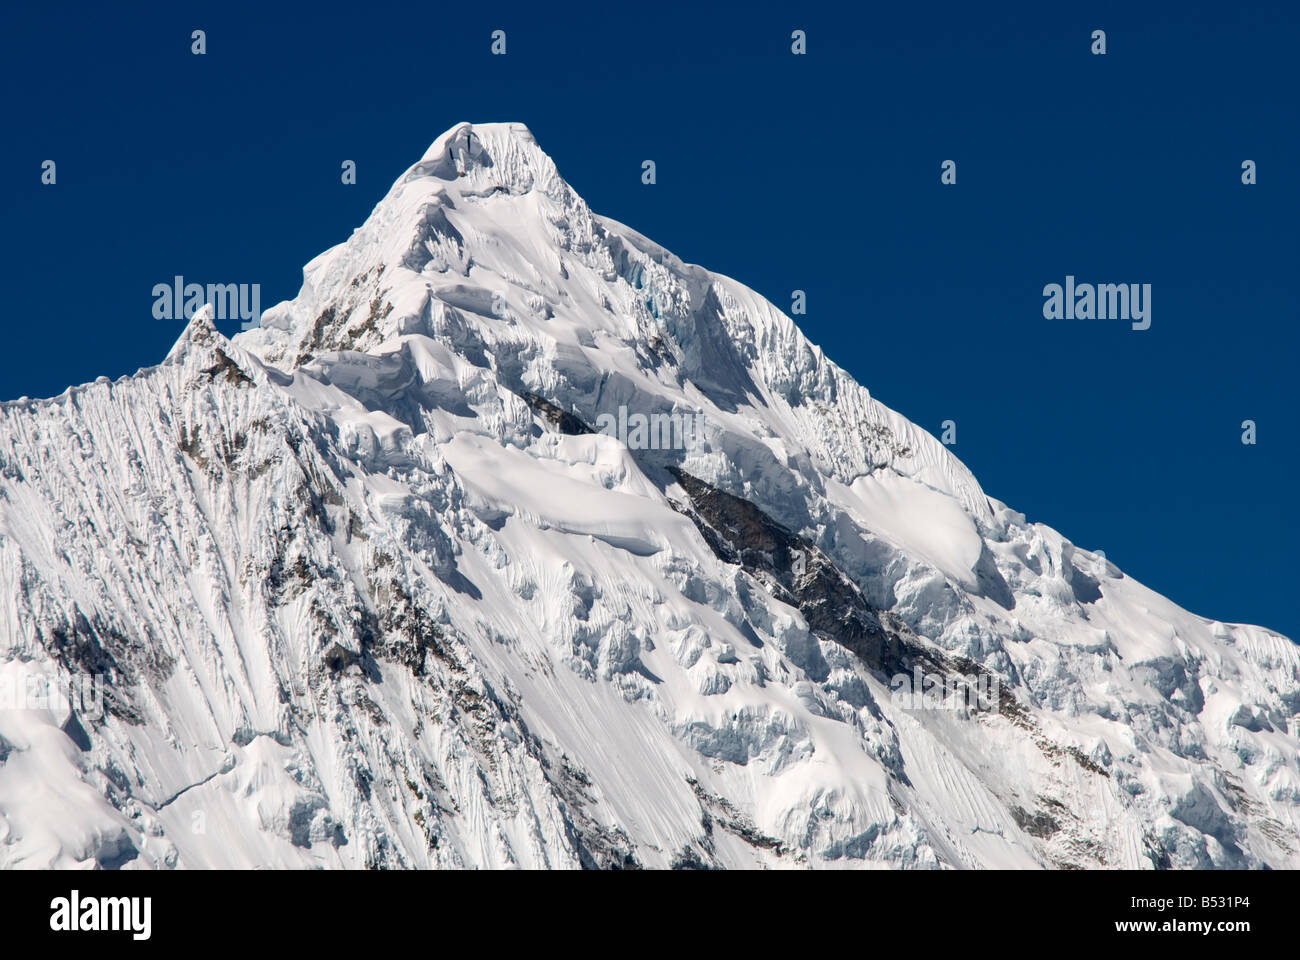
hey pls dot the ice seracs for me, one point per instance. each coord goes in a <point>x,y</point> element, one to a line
<point>368,586</point>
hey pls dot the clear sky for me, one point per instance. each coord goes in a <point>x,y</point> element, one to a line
<point>818,172</point>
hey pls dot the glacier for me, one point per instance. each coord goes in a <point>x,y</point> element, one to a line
<point>365,587</point>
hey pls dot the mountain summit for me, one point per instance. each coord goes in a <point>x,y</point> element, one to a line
<point>425,571</point>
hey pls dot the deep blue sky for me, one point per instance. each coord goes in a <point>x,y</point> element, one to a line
<point>818,172</point>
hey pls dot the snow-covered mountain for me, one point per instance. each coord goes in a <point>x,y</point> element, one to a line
<point>403,578</point>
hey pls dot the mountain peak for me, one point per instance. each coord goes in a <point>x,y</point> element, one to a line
<point>504,155</point>
<point>471,136</point>
<point>483,245</point>
<point>526,544</point>
<point>199,331</point>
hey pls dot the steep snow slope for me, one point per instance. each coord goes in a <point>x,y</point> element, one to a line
<point>365,588</point>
